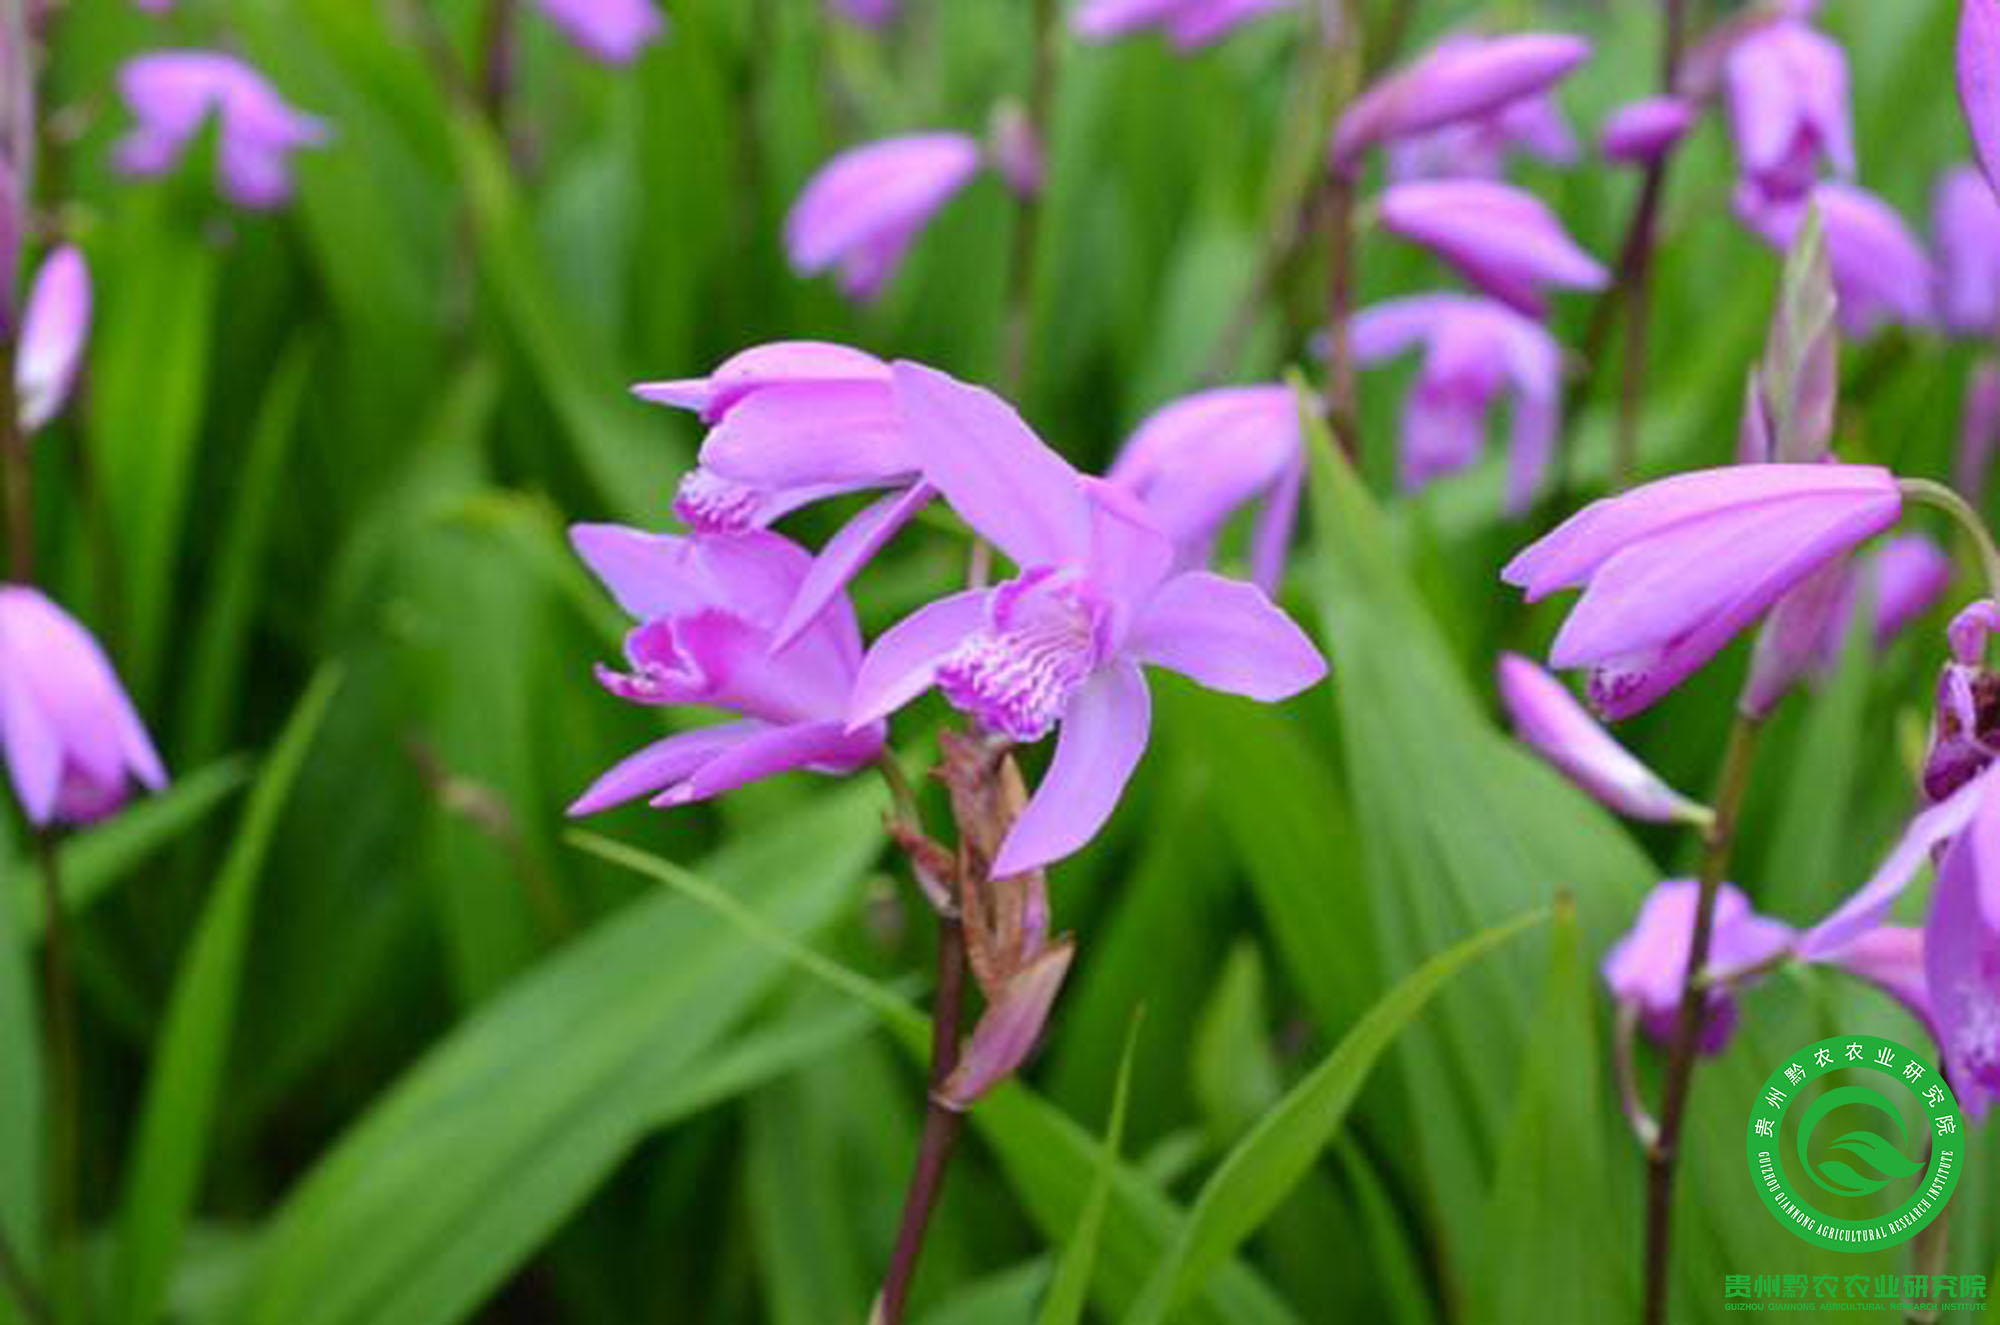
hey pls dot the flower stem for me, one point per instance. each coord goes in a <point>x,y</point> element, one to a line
<point>16,475</point>
<point>1635,266</point>
<point>64,1120</point>
<point>1342,414</point>
<point>1717,844</point>
<point>1025,262</point>
<point>941,1128</point>
<point>1939,497</point>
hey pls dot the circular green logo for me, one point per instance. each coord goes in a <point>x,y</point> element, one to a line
<point>1854,1143</point>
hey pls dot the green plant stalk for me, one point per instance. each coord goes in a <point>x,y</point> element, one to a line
<point>57,985</point>
<point>65,1269</point>
<point>1718,842</point>
<point>1938,497</point>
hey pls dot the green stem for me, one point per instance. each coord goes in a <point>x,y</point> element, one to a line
<point>65,1266</point>
<point>1718,843</point>
<point>1025,263</point>
<point>1938,497</point>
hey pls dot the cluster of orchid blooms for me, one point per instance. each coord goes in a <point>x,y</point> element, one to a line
<point>1109,577</point>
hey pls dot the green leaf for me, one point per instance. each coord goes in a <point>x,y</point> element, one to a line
<point>1549,1249</point>
<point>431,1200</point>
<point>1235,1073</point>
<point>221,640</point>
<point>1465,828</point>
<point>150,357</point>
<point>1292,833</point>
<point>1071,1290</point>
<point>187,1076</point>
<point>630,462</point>
<point>1289,1139</point>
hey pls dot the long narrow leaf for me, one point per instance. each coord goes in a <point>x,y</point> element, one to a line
<point>1267,1163</point>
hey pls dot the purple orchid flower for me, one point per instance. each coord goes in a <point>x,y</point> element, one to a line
<point>868,13</point>
<point>1190,24</point>
<point>1965,221</point>
<point>1641,132</point>
<point>863,208</point>
<point>1979,81</point>
<point>1672,570</point>
<point>1197,460</point>
<point>1502,239</point>
<point>1965,724</point>
<point>1062,642</point>
<point>614,31</point>
<point>794,422</point>
<point>1647,968</point>
<point>1548,718</point>
<point>1475,350</point>
<point>1478,148</point>
<point>1788,111</point>
<point>707,609</point>
<point>1978,432</point>
<point>1880,270</point>
<point>54,329</point>
<point>1461,78</point>
<point>73,743</point>
<point>173,93</point>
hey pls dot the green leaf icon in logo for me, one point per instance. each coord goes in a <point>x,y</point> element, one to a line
<point>1876,1151</point>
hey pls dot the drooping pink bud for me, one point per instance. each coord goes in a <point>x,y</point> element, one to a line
<point>73,744</point>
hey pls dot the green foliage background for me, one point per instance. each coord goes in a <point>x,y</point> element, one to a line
<point>369,1042</point>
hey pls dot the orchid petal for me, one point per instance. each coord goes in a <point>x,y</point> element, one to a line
<point>1000,478</point>
<point>661,765</point>
<point>845,554</point>
<point>903,661</point>
<point>1102,736</point>
<point>1226,635</point>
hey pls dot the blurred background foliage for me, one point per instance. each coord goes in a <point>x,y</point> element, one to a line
<point>367,1041</point>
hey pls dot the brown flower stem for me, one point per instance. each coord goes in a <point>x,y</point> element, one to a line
<point>1338,219</point>
<point>942,1126</point>
<point>1718,842</point>
<point>496,60</point>
<point>1024,263</point>
<point>16,474</point>
<point>1635,267</point>
<point>1342,416</point>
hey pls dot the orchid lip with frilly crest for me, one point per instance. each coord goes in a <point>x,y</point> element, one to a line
<point>710,504</point>
<point>1044,638</point>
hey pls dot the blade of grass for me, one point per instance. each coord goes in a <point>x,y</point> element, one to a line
<point>1070,1293</point>
<point>1289,1139</point>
